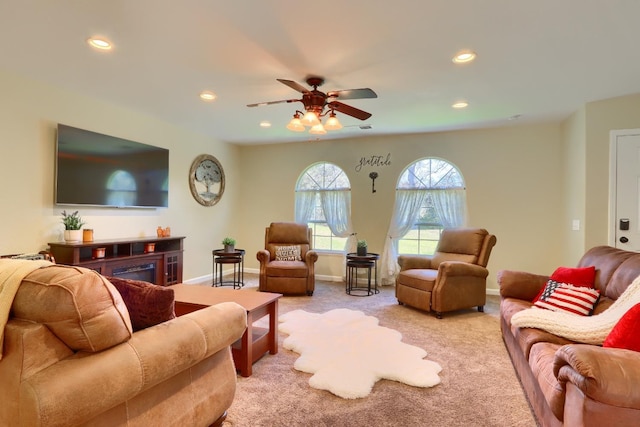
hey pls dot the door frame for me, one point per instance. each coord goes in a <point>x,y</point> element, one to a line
<point>613,178</point>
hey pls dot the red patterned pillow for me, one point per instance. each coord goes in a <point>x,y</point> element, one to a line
<point>625,333</point>
<point>148,304</point>
<point>584,276</point>
<point>568,298</point>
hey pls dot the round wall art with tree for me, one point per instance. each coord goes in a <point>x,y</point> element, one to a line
<point>206,180</point>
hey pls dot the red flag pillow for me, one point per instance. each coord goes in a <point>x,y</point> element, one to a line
<point>568,298</point>
<point>625,333</point>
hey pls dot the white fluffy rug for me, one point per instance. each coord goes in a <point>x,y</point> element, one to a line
<point>349,352</point>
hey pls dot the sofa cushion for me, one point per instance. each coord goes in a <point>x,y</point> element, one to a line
<point>148,304</point>
<point>288,253</point>
<point>625,333</point>
<point>77,304</point>
<point>287,269</point>
<point>423,279</point>
<point>568,298</point>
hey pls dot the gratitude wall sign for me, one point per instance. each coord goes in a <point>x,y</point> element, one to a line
<point>374,161</point>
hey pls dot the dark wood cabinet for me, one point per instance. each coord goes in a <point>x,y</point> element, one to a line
<point>129,258</point>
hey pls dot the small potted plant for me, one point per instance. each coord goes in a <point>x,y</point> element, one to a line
<point>362,248</point>
<point>229,244</point>
<point>72,227</point>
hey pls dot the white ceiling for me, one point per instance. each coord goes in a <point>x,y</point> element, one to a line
<point>540,59</point>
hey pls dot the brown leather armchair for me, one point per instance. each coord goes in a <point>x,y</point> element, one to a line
<point>453,278</point>
<point>287,261</point>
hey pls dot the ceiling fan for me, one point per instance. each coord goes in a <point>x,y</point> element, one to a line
<point>315,102</point>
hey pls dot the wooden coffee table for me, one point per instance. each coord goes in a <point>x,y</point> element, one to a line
<point>255,342</point>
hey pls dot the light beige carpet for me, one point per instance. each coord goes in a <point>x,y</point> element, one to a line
<point>478,388</point>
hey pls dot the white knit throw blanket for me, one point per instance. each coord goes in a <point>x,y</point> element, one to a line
<point>584,329</point>
<point>12,271</point>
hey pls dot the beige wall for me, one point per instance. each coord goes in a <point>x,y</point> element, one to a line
<point>513,178</point>
<point>574,187</point>
<point>601,118</point>
<point>525,183</point>
<point>29,113</point>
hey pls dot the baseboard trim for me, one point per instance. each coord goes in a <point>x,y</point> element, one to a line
<point>209,277</point>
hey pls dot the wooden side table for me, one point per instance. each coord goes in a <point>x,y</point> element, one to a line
<point>222,258</point>
<point>355,262</point>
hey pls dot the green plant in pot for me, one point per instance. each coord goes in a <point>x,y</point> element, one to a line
<point>72,227</point>
<point>229,244</point>
<point>362,247</point>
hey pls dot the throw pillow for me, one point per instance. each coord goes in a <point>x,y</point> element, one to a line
<point>148,304</point>
<point>288,253</point>
<point>625,333</point>
<point>584,276</point>
<point>568,298</point>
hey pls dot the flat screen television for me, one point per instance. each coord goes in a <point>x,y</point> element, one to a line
<point>102,170</point>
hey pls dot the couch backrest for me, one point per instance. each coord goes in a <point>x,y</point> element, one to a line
<point>615,269</point>
<point>78,305</point>
<point>287,233</point>
<point>472,245</point>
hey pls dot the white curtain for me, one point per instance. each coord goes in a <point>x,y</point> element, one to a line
<point>405,213</point>
<point>451,206</point>
<point>305,204</point>
<point>336,206</point>
<point>337,212</point>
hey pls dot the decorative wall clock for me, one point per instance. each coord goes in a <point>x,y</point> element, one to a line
<point>206,180</point>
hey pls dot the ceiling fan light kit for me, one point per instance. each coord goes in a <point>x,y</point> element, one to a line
<point>296,124</point>
<point>315,102</point>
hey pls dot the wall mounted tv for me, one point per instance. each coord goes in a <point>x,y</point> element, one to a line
<point>102,170</point>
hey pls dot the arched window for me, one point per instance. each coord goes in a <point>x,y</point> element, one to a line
<point>323,200</point>
<point>430,196</point>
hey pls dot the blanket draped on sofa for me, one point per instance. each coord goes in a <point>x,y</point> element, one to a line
<point>585,329</point>
<point>12,271</point>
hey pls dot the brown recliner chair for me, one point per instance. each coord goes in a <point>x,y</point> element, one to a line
<point>453,278</point>
<point>287,261</point>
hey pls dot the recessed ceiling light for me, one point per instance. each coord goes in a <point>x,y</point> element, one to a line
<point>207,95</point>
<point>464,56</point>
<point>460,104</point>
<point>99,43</point>
<point>265,124</point>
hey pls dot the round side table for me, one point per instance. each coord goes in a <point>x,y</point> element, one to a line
<point>222,258</point>
<point>354,263</point>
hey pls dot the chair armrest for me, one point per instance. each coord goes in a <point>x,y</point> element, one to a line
<point>409,262</point>
<point>311,257</point>
<point>458,268</point>
<point>520,285</point>
<point>263,256</point>
<point>607,375</point>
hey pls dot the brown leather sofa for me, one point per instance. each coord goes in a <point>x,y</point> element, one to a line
<point>70,358</point>
<point>454,278</point>
<point>568,383</point>
<point>289,276</point>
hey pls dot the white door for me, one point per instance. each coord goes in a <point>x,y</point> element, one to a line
<point>624,231</point>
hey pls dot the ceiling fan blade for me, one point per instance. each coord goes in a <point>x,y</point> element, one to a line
<point>260,104</point>
<point>294,85</point>
<point>349,110</point>
<point>352,93</point>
